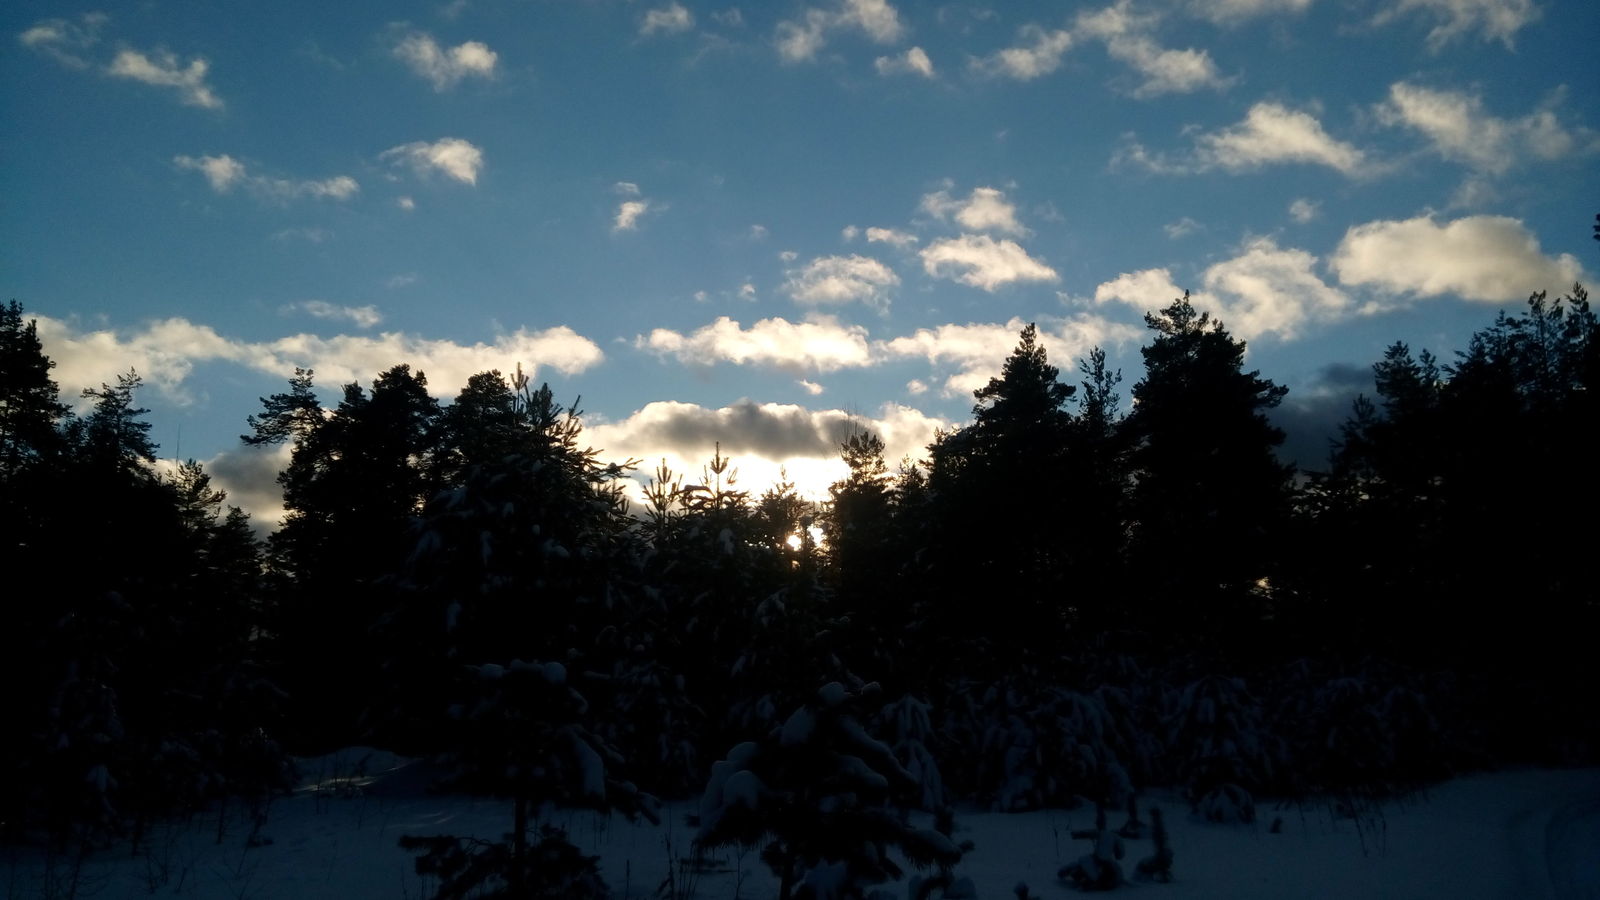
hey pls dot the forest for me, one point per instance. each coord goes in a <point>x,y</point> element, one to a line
<point>1078,595</point>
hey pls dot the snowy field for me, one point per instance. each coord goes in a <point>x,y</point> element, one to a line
<point>1525,834</point>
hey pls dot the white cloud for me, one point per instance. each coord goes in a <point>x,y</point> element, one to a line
<point>1272,133</point>
<point>982,262</point>
<point>1037,53</point>
<point>819,344</point>
<point>405,279</point>
<point>1493,259</point>
<point>977,351</point>
<point>362,316</point>
<point>1303,210</point>
<point>1498,20</point>
<point>747,291</point>
<point>63,40</point>
<point>1263,290</point>
<point>761,439</point>
<point>916,387</point>
<point>811,387</point>
<point>1182,228</point>
<point>311,235</point>
<point>832,280</point>
<point>890,236</point>
<point>985,209</point>
<point>445,67</point>
<point>454,157</point>
<point>165,353</point>
<point>1459,129</point>
<point>163,70</point>
<point>1266,289</point>
<point>798,41</point>
<point>628,214</point>
<point>1128,40</point>
<point>674,18</point>
<point>758,232</point>
<point>914,61</point>
<point>224,173</point>
<point>1229,12</point>
<point>849,233</point>
<point>406,203</point>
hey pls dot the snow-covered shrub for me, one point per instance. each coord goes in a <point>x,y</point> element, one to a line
<point>1039,746</point>
<point>1228,804</point>
<point>824,799</point>
<point>910,730</point>
<point>1217,737</point>
<point>522,734</point>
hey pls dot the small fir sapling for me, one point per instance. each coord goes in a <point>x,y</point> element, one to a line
<point>824,799</point>
<point>1097,870</point>
<point>1133,829</point>
<point>1158,866</point>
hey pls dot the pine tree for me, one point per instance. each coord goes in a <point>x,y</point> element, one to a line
<point>1210,495</point>
<point>29,408</point>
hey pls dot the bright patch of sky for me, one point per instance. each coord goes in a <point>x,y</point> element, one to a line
<point>759,223</point>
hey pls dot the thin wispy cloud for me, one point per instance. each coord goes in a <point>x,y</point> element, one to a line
<point>164,69</point>
<point>1459,129</point>
<point>67,41</point>
<point>224,174</point>
<point>360,316</point>
<point>1128,38</point>
<point>914,61</point>
<point>1491,20</point>
<point>674,18</point>
<point>631,209</point>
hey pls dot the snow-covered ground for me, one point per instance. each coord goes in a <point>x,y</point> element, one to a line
<point>1525,834</point>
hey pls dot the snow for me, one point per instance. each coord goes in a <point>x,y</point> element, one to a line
<point>1523,834</point>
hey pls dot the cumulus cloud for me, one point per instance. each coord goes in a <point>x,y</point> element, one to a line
<point>1460,130</point>
<point>362,316</point>
<point>1263,290</point>
<point>224,173</point>
<point>674,18</point>
<point>454,157</point>
<point>163,70</point>
<point>1272,133</point>
<point>1493,259</point>
<point>977,351</point>
<point>63,40</point>
<point>1037,53</point>
<point>165,353</point>
<point>833,280</point>
<point>800,40</point>
<point>914,61</point>
<point>819,344</point>
<point>1128,39</point>
<point>249,475</point>
<point>1496,20</point>
<point>445,67</point>
<point>761,439</point>
<point>983,262</point>
<point>985,209</point>
<point>811,387</point>
<point>1303,210</point>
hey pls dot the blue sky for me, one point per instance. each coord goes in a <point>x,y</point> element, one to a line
<point>760,223</point>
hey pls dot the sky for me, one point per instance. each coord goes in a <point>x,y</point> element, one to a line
<point>767,224</point>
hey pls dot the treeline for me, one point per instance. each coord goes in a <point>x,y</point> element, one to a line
<point>1065,599</point>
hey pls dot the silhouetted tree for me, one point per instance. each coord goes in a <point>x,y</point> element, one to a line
<point>1210,496</point>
